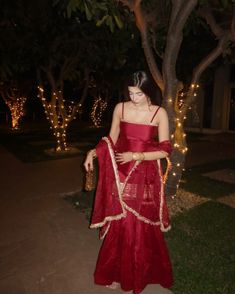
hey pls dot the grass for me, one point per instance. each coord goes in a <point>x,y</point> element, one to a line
<point>202,250</point>
<point>30,145</point>
<point>194,181</point>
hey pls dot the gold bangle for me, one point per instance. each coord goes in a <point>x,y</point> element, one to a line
<point>135,156</point>
<point>138,156</point>
<point>142,156</point>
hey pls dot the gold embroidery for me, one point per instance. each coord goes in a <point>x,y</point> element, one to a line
<point>130,191</point>
<point>163,229</point>
<point>121,187</point>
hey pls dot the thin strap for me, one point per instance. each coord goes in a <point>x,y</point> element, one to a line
<point>154,114</point>
<point>122,110</point>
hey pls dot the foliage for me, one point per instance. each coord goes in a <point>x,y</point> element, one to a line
<point>102,12</point>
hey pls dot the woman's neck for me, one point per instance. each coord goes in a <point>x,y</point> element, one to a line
<point>141,106</point>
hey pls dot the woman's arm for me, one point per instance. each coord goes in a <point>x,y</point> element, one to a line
<point>114,134</point>
<point>115,126</point>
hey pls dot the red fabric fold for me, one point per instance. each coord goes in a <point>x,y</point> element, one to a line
<point>130,205</point>
<point>107,205</point>
<point>143,193</point>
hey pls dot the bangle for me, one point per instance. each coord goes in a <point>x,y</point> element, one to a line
<point>135,156</point>
<point>138,156</point>
<point>142,156</point>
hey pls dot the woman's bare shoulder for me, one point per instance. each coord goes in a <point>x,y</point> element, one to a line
<point>118,109</point>
<point>161,114</point>
<point>162,111</point>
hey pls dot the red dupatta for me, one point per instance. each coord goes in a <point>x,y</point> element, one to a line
<point>111,199</point>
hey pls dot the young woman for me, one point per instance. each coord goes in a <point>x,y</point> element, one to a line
<point>130,207</point>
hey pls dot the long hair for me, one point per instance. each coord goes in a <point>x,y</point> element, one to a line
<point>146,84</point>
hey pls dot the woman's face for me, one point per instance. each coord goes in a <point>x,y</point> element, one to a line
<point>137,96</point>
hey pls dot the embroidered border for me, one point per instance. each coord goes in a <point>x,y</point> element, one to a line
<point>121,188</point>
<point>161,198</point>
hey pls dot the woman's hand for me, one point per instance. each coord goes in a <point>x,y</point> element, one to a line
<point>88,164</point>
<point>124,157</point>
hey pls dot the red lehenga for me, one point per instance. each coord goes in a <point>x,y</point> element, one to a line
<point>131,211</point>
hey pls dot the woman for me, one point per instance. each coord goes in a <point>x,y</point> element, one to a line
<point>130,206</point>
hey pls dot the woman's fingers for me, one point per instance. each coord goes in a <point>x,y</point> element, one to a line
<point>88,165</point>
<point>119,157</point>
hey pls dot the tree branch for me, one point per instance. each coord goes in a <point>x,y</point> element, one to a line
<point>142,26</point>
<point>199,69</point>
<point>233,21</point>
<point>174,13</point>
<point>184,11</point>
<point>85,89</point>
<point>206,14</point>
<point>84,93</point>
<point>154,41</point>
<point>174,40</point>
<point>224,36</point>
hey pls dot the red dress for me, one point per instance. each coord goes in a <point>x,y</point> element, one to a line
<point>134,251</point>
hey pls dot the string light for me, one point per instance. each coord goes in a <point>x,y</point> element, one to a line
<point>179,135</point>
<point>97,111</point>
<point>16,107</point>
<point>59,112</point>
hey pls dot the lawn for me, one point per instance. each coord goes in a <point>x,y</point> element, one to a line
<point>194,181</point>
<point>30,145</point>
<point>201,241</point>
<point>201,245</point>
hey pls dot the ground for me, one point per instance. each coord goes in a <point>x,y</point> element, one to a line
<point>45,244</point>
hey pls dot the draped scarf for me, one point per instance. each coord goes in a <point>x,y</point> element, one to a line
<point>141,193</point>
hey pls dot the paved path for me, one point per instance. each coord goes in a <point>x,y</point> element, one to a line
<point>45,244</point>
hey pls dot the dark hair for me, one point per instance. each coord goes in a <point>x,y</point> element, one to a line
<point>146,84</point>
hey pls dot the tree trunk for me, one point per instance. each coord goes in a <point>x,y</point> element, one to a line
<point>176,119</point>
<point>61,143</point>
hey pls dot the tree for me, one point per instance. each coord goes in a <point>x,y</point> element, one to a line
<point>13,88</point>
<point>15,100</point>
<point>38,40</point>
<point>166,77</point>
<point>162,25</point>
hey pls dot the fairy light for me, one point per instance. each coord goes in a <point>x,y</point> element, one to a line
<point>97,111</point>
<point>179,136</point>
<point>60,113</point>
<point>16,107</point>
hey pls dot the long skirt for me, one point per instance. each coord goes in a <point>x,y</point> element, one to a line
<point>133,254</point>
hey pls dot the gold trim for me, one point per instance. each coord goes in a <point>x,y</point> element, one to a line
<point>140,217</point>
<point>169,165</point>
<point>107,219</point>
<point>163,229</point>
<point>106,231</point>
<point>121,188</point>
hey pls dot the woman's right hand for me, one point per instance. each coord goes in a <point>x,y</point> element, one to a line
<point>88,164</point>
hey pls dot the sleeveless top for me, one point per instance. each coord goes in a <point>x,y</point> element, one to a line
<point>135,137</point>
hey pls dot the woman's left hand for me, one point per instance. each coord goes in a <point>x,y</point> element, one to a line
<point>124,157</point>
